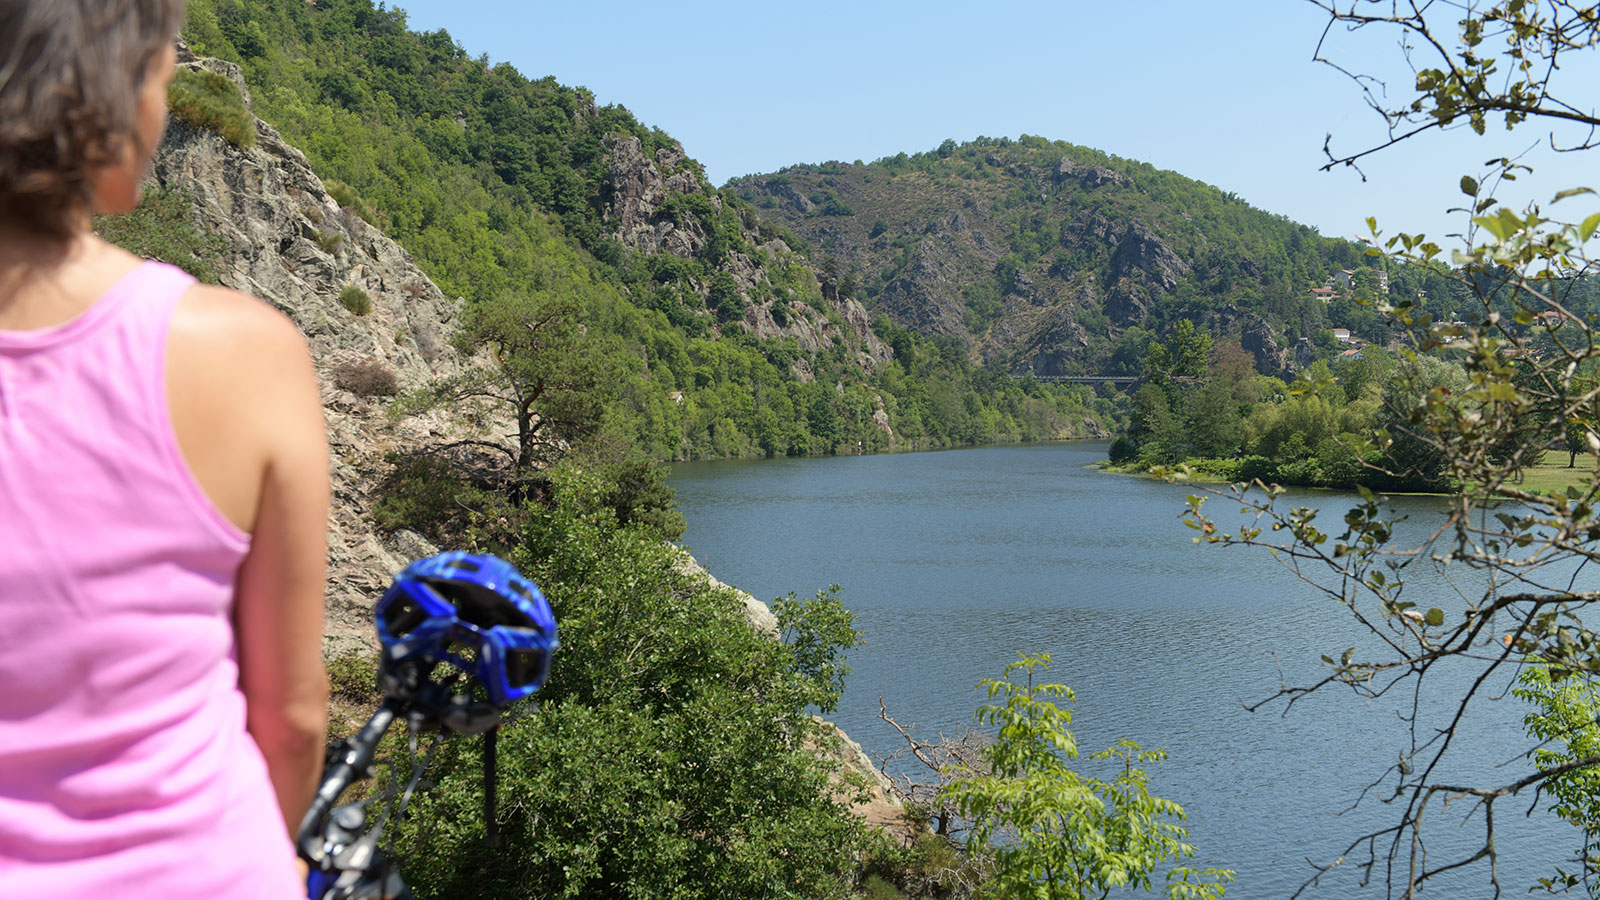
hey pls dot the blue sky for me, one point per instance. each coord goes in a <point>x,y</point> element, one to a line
<point>1225,91</point>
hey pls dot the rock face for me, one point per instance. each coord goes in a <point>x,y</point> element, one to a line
<point>639,217</point>
<point>286,241</point>
<point>640,187</point>
<point>1091,176</point>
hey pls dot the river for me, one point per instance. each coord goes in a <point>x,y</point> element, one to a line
<point>954,562</point>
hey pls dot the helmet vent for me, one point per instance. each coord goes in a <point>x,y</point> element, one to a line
<point>403,617</point>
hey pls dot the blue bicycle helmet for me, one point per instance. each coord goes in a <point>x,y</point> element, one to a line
<point>475,612</point>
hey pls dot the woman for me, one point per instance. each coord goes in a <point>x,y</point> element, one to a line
<point>163,504</point>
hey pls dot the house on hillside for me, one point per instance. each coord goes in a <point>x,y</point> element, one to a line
<point>1345,278</point>
<point>1325,294</point>
<point>1342,335</point>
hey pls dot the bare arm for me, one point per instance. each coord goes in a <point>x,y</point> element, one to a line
<point>249,418</point>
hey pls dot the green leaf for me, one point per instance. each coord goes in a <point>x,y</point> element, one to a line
<point>1571,192</point>
<point>1435,617</point>
<point>1587,229</point>
<point>1469,185</point>
<point>1494,225</point>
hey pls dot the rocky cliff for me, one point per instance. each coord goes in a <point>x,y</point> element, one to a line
<point>1039,256</point>
<point>646,212</point>
<point>284,239</point>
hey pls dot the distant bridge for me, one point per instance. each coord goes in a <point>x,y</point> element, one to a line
<point>1089,379</point>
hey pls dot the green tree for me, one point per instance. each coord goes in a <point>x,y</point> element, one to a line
<point>1213,423</point>
<point>1068,835</point>
<point>1154,429</point>
<point>1186,353</point>
<point>671,751</point>
<point>540,363</point>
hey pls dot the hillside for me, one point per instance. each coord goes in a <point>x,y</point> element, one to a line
<point>720,335</point>
<point>1050,258</point>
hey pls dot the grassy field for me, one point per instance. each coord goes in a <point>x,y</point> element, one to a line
<point>1552,475</point>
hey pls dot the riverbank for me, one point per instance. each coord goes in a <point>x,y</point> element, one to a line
<point>1549,476</point>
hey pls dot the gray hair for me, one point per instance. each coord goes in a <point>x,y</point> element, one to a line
<point>70,76</point>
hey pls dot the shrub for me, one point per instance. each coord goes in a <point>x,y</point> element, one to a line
<point>428,495</point>
<point>211,101</point>
<point>355,300</point>
<point>1225,469</point>
<point>352,676</point>
<point>367,378</point>
<point>1252,468</point>
<point>328,239</point>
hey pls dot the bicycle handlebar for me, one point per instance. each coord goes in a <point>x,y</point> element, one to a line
<point>351,760</point>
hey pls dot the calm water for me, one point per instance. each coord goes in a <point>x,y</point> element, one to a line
<point>956,561</point>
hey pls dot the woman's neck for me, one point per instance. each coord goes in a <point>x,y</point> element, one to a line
<point>43,277</point>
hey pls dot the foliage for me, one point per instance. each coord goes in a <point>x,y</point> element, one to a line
<point>667,755</point>
<point>328,239</point>
<point>1068,835</point>
<point>439,498</point>
<point>818,631</point>
<point>542,367</point>
<point>346,196</point>
<point>1566,721</point>
<point>928,866</point>
<point>162,227</point>
<point>213,102</point>
<point>355,299</point>
<point>1472,401</point>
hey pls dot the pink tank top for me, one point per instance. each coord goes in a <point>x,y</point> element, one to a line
<point>125,767</point>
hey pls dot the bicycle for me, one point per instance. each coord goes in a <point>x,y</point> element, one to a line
<point>470,613</point>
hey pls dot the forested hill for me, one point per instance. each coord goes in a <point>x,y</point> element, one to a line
<point>705,329</point>
<point>1048,257</point>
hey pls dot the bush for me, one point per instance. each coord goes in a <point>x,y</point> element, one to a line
<point>1225,469</point>
<point>667,755</point>
<point>1253,468</point>
<point>367,378</point>
<point>353,676</point>
<point>355,300</point>
<point>211,101</point>
<point>328,239</point>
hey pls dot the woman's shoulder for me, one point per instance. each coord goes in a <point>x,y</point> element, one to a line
<point>239,333</point>
<point>219,314</point>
